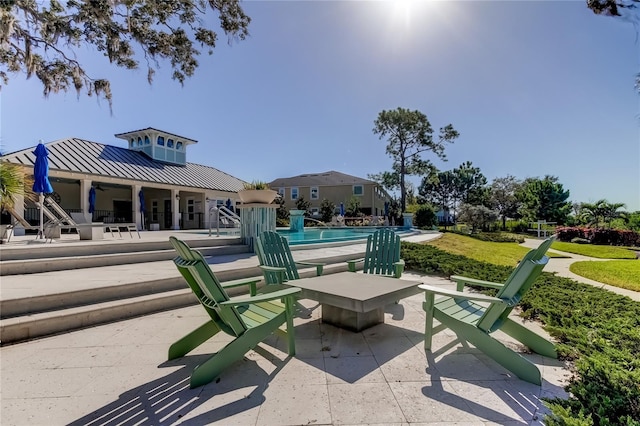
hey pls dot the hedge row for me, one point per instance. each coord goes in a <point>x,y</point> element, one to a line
<point>612,237</point>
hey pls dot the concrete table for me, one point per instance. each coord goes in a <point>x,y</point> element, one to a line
<point>352,300</point>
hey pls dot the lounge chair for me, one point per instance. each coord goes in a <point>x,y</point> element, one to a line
<point>382,256</point>
<point>473,316</point>
<point>276,261</point>
<point>248,319</point>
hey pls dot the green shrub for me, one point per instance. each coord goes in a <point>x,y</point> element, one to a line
<point>597,329</point>
<point>425,217</point>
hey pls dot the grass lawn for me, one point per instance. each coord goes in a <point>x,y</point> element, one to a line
<point>508,254</point>
<point>619,273</point>
<point>600,252</point>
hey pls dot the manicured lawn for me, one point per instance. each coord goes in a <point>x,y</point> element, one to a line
<point>619,273</point>
<point>508,254</point>
<point>600,252</point>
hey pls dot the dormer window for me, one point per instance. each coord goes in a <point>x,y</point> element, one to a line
<point>179,146</point>
<point>139,141</point>
<point>161,140</point>
<point>146,140</point>
<point>169,143</point>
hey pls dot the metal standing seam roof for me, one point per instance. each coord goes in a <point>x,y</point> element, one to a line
<point>79,155</point>
<point>330,178</point>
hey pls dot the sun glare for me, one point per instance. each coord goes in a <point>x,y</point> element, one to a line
<point>403,10</point>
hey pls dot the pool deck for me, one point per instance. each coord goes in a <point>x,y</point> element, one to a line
<point>118,373</point>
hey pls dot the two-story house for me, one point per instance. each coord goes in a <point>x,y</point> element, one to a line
<point>334,186</point>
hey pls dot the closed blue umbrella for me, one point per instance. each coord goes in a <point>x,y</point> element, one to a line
<point>142,207</point>
<point>92,200</point>
<point>341,209</point>
<point>41,182</point>
<point>141,196</point>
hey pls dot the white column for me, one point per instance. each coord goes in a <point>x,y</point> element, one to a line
<point>137,217</point>
<point>85,186</point>
<point>175,200</point>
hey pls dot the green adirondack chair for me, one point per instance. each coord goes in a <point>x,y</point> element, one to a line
<point>382,256</point>
<point>249,319</point>
<point>276,261</point>
<point>474,322</point>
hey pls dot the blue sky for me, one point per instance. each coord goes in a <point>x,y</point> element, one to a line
<point>534,88</point>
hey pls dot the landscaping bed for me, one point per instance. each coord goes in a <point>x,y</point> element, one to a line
<point>597,333</point>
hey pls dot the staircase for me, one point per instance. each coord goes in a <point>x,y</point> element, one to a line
<point>49,289</point>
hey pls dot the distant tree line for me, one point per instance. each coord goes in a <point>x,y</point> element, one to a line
<point>464,194</point>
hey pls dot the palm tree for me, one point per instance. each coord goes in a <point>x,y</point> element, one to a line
<point>610,212</point>
<point>593,213</point>
<point>14,182</point>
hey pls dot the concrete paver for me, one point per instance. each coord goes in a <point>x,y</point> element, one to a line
<point>118,374</point>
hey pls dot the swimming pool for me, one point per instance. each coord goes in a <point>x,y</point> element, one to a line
<point>330,235</point>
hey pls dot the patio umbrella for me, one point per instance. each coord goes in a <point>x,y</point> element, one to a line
<point>342,209</point>
<point>142,208</point>
<point>41,182</point>
<point>92,200</point>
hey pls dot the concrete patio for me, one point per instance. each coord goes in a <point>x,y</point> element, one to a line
<point>118,374</point>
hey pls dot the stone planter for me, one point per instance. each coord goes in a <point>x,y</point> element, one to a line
<point>264,196</point>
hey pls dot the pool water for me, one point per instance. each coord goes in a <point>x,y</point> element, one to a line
<point>327,235</point>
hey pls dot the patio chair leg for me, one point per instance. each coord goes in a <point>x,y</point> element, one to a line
<point>532,340</point>
<point>512,361</point>
<point>193,340</point>
<point>428,326</point>
<point>234,351</point>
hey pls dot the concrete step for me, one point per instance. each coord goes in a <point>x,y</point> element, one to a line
<point>92,260</point>
<point>80,309</point>
<point>88,248</point>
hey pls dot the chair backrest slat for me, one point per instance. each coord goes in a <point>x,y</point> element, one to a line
<point>514,288</point>
<point>273,250</point>
<point>383,250</point>
<point>205,285</point>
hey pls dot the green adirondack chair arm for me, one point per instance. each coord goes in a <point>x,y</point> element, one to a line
<point>382,256</point>
<point>474,322</point>
<point>249,319</point>
<point>276,261</point>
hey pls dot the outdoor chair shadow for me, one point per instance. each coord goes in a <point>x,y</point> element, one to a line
<point>169,399</point>
<point>487,388</point>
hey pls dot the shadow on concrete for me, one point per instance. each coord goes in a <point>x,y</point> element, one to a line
<point>169,399</point>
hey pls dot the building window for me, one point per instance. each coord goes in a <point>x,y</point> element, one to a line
<point>169,143</point>
<point>358,190</point>
<point>315,194</point>
<point>191,208</point>
<point>179,146</point>
<point>154,211</point>
<point>139,141</point>
<point>161,140</point>
<point>132,143</point>
<point>281,192</point>
<point>294,193</point>
<point>146,140</point>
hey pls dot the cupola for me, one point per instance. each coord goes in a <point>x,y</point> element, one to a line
<point>158,144</point>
